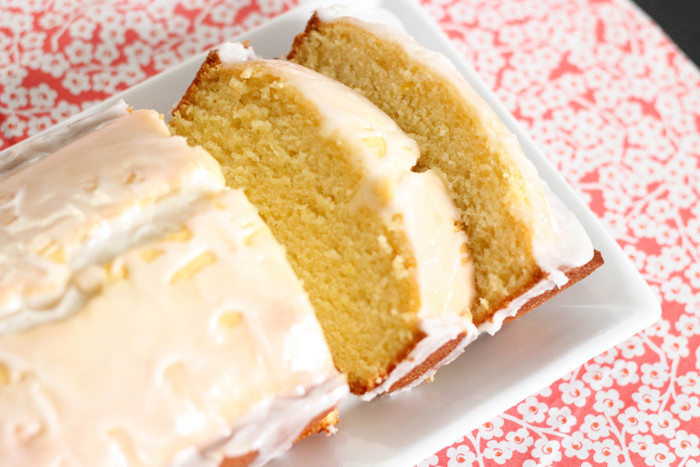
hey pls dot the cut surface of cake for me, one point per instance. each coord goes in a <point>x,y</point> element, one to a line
<point>189,339</point>
<point>374,243</point>
<point>525,245</point>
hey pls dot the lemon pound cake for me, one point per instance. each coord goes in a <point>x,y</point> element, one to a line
<point>177,334</point>
<point>525,245</point>
<point>374,243</point>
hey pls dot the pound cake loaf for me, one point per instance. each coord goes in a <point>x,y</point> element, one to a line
<point>374,243</point>
<point>525,245</point>
<point>176,333</point>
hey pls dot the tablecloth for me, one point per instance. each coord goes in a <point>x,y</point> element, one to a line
<point>607,96</point>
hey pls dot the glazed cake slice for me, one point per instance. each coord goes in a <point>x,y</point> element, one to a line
<point>525,245</point>
<point>191,344</point>
<point>374,243</point>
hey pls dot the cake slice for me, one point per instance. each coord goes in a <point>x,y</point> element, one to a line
<point>525,245</point>
<point>188,339</point>
<point>374,243</point>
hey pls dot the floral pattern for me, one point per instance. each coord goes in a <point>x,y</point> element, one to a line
<point>601,89</point>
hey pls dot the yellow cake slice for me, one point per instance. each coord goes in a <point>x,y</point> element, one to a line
<point>525,245</point>
<point>374,243</point>
<point>188,341</point>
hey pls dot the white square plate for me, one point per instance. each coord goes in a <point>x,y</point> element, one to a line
<point>495,372</point>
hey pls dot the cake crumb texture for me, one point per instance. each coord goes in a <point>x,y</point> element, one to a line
<point>357,270</point>
<point>484,184</point>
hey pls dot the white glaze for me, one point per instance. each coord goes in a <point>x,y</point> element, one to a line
<point>444,275</point>
<point>232,52</point>
<point>90,199</point>
<point>143,369</point>
<point>559,240</point>
<point>149,357</point>
<point>367,15</point>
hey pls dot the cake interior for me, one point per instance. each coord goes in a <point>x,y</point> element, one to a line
<point>356,269</point>
<point>472,166</point>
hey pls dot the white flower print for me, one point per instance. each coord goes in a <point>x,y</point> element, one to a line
<point>685,444</point>
<point>607,357</point>
<point>608,402</point>
<point>644,226</point>
<point>82,28</point>
<point>165,60</point>
<point>79,52</point>
<point>48,20</point>
<point>63,110</point>
<point>14,97</point>
<point>574,392</point>
<point>676,290</point>
<point>42,96</point>
<point>33,40</point>
<point>641,444</point>
<point>597,376</point>
<point>105,81</point>
<point>647,398</point>
<point>54,64</point>
<point>13,126</point>
<point>595,426</point>
<point>633,421</point>
<point>676,257</point>
<point>632,347</point>
<point>271,6</point>
<point>686,407</point>
<point>532,410</point>
<point>106,53</point>
<point>663,423</point>
<point>606,452</point>
<point>615,224</point>
<point>153,34</point>
<point>76,82</point>
<point>681,195</point>
<point>659,455</point>
<point>492,428</point>
<point>462,13</point>
<point>624,372</point>
<point>39,124</point>
<point>659,328</point>
<point>546,451</point>
<point>498,451</point>
<point>460,456</point>
<point>12,75</point>
<point>689,382</point>
<point>655,374</point>
<point>577,445</point>
<point>660,266</point>
<point>675,346</point>
<point>138,53</point>
<point>519,439</point>
<point>112,34</point>
<point>561,419</point>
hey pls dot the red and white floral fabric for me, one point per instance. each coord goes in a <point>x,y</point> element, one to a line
<point>601,89</point>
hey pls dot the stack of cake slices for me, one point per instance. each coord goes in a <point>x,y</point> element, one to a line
<point>148,314</point>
